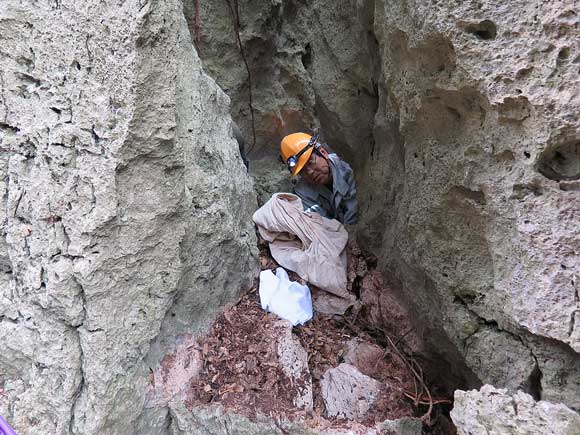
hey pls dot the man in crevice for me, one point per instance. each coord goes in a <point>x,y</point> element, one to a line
<point>326,183</point>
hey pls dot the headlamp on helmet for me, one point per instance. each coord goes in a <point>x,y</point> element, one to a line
<point>292,161</point>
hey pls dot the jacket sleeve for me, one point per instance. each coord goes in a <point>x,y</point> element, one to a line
<point>349,204</point>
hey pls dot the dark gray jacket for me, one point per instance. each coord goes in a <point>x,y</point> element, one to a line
<point>340,203</point>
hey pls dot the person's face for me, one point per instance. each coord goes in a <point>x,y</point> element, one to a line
<point>317,170</point>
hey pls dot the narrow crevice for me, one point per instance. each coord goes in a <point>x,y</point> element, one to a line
<point>168,422</point>
<point>79,391</point>
<point>81,386</point>
<point>8,320</point>
<point>306,57</point>
<point>533,385</point>
<point>17,205</point>
<point>484,30</point>
<point>3,95</point>
<point>572,323</point>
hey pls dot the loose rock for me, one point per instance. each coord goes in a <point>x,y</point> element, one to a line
<point>294,362</point>
<point>348,393</point>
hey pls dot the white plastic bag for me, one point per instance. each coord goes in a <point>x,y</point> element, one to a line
<point>288,299</point>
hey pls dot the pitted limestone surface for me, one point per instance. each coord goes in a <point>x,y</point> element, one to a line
<point>479,231</point>
<point>125,210</point>
<point>494,411</point>
<point>119,204</point>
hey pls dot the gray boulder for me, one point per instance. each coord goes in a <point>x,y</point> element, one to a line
<point>348,393</point>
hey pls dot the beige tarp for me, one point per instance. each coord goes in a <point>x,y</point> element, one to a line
<point>306,243</point>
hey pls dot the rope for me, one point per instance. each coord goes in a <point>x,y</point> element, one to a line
<point>235,12</point>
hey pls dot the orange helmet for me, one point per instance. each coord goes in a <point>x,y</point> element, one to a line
<point>296,149</point>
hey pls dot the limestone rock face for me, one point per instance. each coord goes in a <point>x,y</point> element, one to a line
<point>215,420</point>
<point>125,213</point>
<point>494,411</point>
<point>309,63</point>
<point>476,141</point>
<point>460,120</point>
<point>270,176</point>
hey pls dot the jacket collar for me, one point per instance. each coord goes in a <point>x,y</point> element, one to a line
<point>338,182</point>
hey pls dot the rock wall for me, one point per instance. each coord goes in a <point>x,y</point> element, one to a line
<point>215,420</point>
<point>125,213</point>
<point>477,102</point>
<point>126,210</point>
<point>310,62</point>
<point>492,410</point>
<point>460,120</point>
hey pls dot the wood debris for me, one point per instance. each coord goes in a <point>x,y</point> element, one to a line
<point>242,371</point>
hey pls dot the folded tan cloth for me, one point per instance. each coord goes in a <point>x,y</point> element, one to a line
<point>306,243</point>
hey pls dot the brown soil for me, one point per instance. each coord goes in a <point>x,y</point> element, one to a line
<point>240,366</point>
<point>240,363</point>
